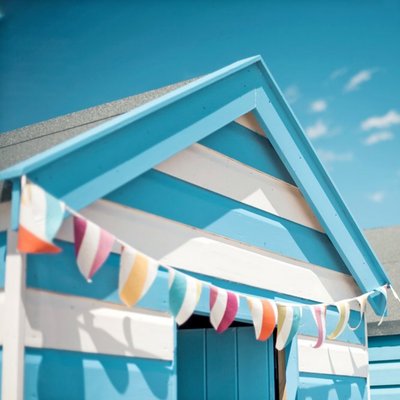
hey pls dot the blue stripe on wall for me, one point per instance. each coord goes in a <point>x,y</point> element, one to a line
<point>3,252</point>
<point>169,197</point>
<point>329,387</point>
<point>55,374</point>
<point>248,147</point>
<point>60,274</point>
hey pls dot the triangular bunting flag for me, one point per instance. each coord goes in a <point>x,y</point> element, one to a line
<point>92,246</point>
<point>289,318</point>
<point>319,314</point>
<point>344,315</point>
<point>362,301</point>
<point>223,308</point>
<point>137,273</point>
<point>264,315</point>
<point>383,291</point>
<point>40,217</point>
<point>184,294</point>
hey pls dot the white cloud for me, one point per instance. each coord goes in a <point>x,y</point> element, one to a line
<point>377,137</point>
<point>337,73</point>
<point>317,130</point>
<point>377,197</point>
<point>392,117</point>
<point>329,156</point>
<point>318,106</point>
<point>358,79</point>
<point>292,94</point>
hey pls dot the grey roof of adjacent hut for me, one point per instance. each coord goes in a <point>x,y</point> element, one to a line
<point>20,144</point>
<point>386,244</point>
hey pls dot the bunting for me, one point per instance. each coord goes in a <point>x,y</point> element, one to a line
<point>264,316</point>
<point>92,246</point>
<point>40,217</point>
<point>344,315</point>
<point>383,291</point>
<point>319,314</point>
<point>184,294</point>
<point>289,318</point>
<point>362,301</point>
<point>136,274</point>
<point>223,308</point>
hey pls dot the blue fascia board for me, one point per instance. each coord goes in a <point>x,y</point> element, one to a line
<point>366,269</point>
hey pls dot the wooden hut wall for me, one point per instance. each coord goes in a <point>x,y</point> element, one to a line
<point>225,210</point>
<point>384,357</point>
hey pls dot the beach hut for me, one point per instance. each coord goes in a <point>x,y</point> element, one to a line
<point>211,185</point>
<point>384,339</point>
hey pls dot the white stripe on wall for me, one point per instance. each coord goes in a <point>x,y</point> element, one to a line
<point>2,308</point>
<point>214,171</point>
<point>80,324</point>
<point>249,121</point>
<point>192,249</point>
<point>333,358</point>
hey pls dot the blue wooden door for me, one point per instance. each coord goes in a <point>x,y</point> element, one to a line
<point>232,365</point>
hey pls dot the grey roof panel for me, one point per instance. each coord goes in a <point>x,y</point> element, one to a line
<point>23,143</point>
<point>386,244</point>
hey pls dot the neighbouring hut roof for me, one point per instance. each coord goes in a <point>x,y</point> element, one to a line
<point>386,244</point>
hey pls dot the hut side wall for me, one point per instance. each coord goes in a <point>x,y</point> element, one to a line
<point>384,356</point>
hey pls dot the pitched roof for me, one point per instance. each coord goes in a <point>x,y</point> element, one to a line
<point>108,155</point>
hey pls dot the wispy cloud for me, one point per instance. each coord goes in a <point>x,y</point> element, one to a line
<point>318,106</point>
<point>377,197</point>
<point>292,94</point>
<point>330,156</point>
<point>358,79</point>
<point>377,137</point>
<point>392,117</point>
<point>317,130</point>
<point>337,73</point>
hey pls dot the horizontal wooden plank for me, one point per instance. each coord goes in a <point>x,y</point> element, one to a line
<point>385,351</point>
<point>385,373</point>
<point>65,375</point>
<point>241,144</point>
<point>385,393</point>
<point>214,171</point>
<point>333,358</point>
<point>326,387</point>
<point>163,195</point>
<point>85,325</point>
<point>61,274</point>
<point>194,250</point>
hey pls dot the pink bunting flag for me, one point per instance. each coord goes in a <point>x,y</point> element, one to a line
<point>319,314</point>
<point>223,308</point>
<point>92,246</point>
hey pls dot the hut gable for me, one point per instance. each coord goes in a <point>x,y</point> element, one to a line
<point>189,135</point>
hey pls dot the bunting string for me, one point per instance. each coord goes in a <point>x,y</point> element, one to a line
<point>41,216</point>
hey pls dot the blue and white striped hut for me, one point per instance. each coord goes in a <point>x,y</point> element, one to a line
<point>214,178</point>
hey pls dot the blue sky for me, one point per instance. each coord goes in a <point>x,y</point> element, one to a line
<point>338,62</point>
